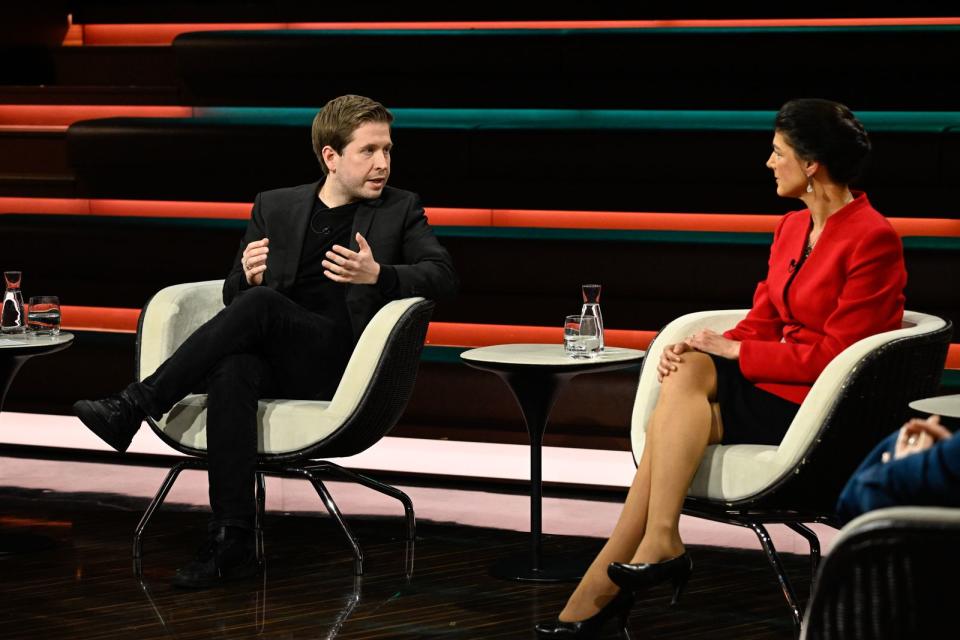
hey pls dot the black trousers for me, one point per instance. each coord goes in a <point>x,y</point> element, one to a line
<point>263,345</point>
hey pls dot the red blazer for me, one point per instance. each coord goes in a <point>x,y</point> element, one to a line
<point>850,287</point>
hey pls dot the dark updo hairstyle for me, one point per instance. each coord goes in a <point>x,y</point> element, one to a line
<point>826,132</point>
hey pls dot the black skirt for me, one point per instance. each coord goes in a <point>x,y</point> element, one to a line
<point>750,415</point>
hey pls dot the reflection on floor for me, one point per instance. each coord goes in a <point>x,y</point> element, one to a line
<point>82,585</point>
<point>79,517</point>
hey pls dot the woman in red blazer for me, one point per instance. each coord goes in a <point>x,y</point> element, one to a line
<point>836,275</point>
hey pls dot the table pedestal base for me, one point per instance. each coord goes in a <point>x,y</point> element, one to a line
<point>536,384</point>
<point>11,359</point>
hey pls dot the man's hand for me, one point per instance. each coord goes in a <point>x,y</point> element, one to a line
<point>254,261</point>
<point>918,435</point>
<point>712,342</point>
<point>355,267</point>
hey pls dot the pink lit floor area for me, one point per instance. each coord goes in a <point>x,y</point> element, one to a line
<point>469,508</point>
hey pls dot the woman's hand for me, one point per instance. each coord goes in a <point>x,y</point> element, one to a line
<point>918,435</point>
<point>670,358</point>
<point>712,342</point>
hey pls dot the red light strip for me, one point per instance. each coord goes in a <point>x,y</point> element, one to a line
<point>163,34</point>
<point>458,217</point>
<point>445,334</point>
<point>53,117</point>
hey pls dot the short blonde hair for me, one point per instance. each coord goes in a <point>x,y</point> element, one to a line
<point>334,125</point>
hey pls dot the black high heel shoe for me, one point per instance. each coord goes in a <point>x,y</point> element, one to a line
<point>618,608</point>
<point>640,576</point>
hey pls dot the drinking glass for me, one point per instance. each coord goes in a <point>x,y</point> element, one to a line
<point>581,337</point>
<point>43,315</point>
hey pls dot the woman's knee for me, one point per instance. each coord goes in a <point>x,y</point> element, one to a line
<point>695,373</point>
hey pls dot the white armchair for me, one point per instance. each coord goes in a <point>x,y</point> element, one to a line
<point>369,400</point>
<point>859,398</point>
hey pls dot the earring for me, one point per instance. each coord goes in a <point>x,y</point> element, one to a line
<point>809,184</point>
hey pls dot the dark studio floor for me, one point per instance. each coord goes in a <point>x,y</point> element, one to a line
<point>84,587</point>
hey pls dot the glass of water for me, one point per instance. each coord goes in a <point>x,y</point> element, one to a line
<point>581,336</point>
<point>43,315</point>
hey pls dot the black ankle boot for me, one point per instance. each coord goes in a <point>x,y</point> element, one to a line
<point>641,576</point>
<point>228,554</point>
<point>618,609</point>
<point>115,419</point>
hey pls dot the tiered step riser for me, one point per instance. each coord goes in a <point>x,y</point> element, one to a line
<point>528,279</point>
<point>625,69</point>
<point>521,166</point>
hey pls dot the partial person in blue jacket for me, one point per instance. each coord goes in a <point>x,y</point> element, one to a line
<point>919,464</point>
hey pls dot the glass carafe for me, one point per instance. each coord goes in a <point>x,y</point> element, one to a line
<point>591,306</point>
<point>12,319</point>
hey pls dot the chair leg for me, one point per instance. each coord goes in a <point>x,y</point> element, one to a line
<point>261,493</point>
<point>814,542</point>
<point>370,483</point>
<point>408,557</point>
<point>156,610</point>
<point>155,504</point>
<point>334,512</point>
<point>346,611</point>
<point>260,615</point>
<point>774,559</point>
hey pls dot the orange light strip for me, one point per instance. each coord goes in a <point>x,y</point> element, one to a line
<point>460,217</point>
<point>456,334</point>
<point>161,209</point>
<point>439,334</point>
<point>163,34</point>
<point>16,521</point>
<point>629,221</point>
<point>449,334</point>
<point>126,208</point>
<point>45,206</point>
<point>100,319</point>
<point>61,116</point>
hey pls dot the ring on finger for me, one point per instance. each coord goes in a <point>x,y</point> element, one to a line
<point>912,440</point>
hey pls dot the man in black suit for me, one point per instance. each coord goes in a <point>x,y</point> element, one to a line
<point>316,263</point>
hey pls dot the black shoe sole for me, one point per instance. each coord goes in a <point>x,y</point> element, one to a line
<point>91,418</point>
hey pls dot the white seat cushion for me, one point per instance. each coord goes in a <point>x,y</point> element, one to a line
<point>284,425</point>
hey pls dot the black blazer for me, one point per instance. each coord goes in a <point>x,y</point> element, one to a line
<point>394,225</point>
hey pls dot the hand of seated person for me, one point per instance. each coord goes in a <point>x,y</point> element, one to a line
<point>354,267</point>
<point>670,358</point>
<point>916,436</point>
<point>706,341</point>
<point>254,261</point>
<point>713,343</point>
